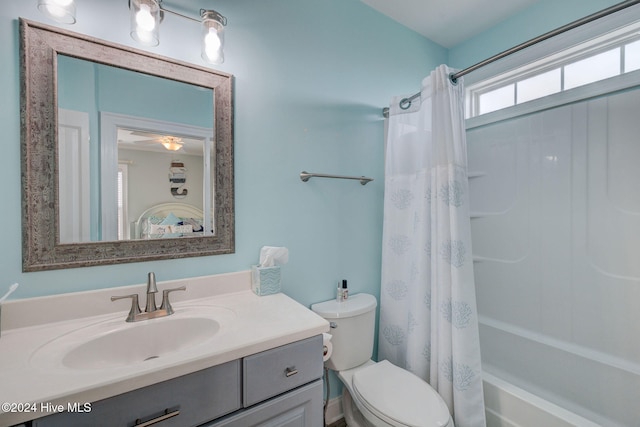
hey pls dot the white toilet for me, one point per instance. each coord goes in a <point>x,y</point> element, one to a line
<point>384,394</point>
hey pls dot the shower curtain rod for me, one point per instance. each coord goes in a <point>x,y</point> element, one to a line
<point>406,102</point>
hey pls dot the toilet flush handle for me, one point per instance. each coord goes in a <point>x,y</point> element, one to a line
<point>333,325</point>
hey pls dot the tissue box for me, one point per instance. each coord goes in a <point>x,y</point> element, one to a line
<point>265,280</point>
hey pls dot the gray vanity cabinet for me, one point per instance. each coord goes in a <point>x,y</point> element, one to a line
<point>281,387</point>
<point>301,407</point>
<point>189,400</point>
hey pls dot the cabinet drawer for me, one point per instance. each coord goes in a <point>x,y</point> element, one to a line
<point>275,371</point>
<point>198,397</point>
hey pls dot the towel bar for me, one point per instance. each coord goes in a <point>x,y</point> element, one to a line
<point>304,176</point>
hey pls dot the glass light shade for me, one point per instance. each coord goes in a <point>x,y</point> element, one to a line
<point>172,143</point>
<point>145,21</point>
<point>213,36</point>
<point>63,11</point>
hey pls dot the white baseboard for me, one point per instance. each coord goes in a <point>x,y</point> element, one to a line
<point>334,410</point>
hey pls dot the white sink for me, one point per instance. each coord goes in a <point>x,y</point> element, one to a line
<point>114,343</point>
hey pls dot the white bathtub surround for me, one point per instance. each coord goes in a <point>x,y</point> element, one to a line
<point>254,324</point>
<point>557,217</point>
<point>428,317</point>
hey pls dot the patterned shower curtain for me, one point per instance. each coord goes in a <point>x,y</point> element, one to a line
<point>428,316</point>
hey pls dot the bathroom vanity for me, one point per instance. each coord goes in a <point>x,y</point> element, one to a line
<point>260,364</point>
<point>245,388</point>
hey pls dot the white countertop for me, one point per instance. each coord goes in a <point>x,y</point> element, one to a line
<point>253,324</point>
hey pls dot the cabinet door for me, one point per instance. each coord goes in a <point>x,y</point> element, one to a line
<point>301,407</point>
<point>185,401</point>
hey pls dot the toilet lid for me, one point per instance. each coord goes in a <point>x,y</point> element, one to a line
<point>399,397</point>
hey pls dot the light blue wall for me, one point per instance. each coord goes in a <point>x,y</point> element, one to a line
<point>543,16</point>
<point>311,78</point>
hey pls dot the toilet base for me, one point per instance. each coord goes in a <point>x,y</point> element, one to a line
<point>352,416</point>
<point>355,413</point>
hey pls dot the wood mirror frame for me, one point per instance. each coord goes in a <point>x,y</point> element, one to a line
<point>41,247</point>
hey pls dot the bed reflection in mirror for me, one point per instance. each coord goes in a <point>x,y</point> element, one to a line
<point>131,145</point>
<point>160,186</point>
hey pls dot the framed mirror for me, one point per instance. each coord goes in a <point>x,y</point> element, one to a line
<point>79,134</point>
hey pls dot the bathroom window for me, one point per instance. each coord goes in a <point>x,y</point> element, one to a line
<point>592,69</point>
<point>596,60</point>
<point>632,57</point>
<point>496,99</point>
<point>540,85</point>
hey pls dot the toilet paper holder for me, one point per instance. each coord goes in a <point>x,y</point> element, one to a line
<point>327,347</point>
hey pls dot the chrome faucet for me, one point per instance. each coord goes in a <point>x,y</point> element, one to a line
<point>152,290</point>
<point>151,309</point>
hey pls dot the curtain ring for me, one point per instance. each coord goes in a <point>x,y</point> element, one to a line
<point>405,103</point>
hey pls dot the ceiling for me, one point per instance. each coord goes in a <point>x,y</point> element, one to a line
<point>449,22</point>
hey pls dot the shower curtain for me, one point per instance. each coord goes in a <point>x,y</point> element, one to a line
<point>428,316</point>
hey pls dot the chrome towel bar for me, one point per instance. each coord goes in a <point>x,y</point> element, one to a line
<point>304,176</point>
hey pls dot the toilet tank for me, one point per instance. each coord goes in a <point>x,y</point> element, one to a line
<point>353,326</point>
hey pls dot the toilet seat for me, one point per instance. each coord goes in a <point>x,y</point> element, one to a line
<point>391,393</point>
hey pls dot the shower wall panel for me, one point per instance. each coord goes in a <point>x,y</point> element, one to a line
<point>555,207</point>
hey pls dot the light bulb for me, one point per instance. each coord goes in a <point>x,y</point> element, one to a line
<point>212,45</point>
<point>57,8</point>
<point>63,11</point>
<point>212,40</point>
<point>144,19</point>
<point>55,11</point>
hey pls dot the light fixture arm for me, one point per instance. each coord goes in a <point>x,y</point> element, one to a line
<point>220,18</point>
<point>164,9</point>
<point>146,16</point>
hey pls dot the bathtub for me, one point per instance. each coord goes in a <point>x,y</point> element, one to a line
<point>505,406</point>
<point>509,406</point>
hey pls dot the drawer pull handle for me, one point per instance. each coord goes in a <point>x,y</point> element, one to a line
<point>156,420</point>
<point>290,371</point>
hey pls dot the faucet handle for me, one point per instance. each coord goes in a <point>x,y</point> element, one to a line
<point>135,307</point>
<point>166,305</point>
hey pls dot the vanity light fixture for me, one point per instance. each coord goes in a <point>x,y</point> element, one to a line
<point>63,11</point>
<point>172,143</point>
<point>145,21</point>
<point>146,16</point>
<point>212,36</point>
